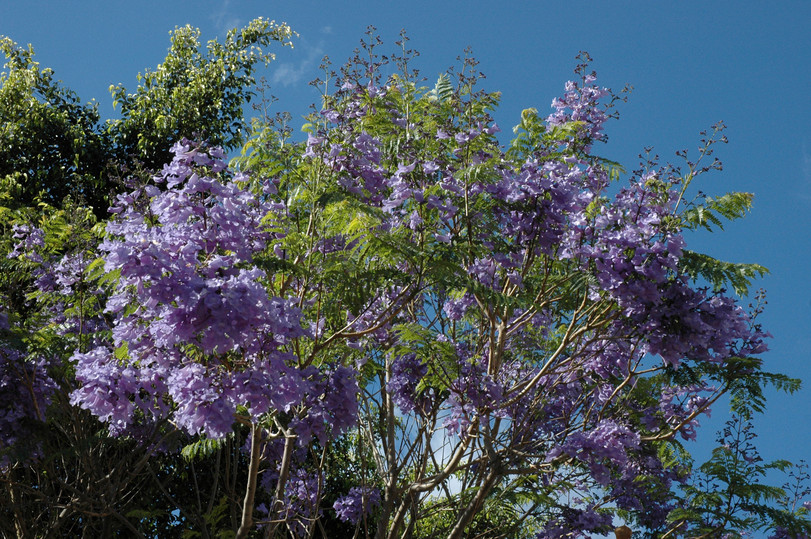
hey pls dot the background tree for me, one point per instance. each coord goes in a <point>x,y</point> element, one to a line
<point>194,93</point>
<point>52,144</point>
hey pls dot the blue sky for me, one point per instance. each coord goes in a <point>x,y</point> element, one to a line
<point>691,63</point>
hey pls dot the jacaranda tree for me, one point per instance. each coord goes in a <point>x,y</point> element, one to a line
<point>401,328</point>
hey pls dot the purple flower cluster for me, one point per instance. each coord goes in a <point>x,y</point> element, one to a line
<point>300,504</point>
<point>606,443</point>
<point>643,486</point>
<point>574,522</point>
<point>405,373</point>
<point>678,403</point>
<point>331,404</point>
<point>301,500</point>
<point>626,244</point>
<point>25,393</point>
<point>472,393</point>
<point>581,103</point>
<point>782,533</point>
<point>357,503</point>
<point>455,308</point>
<point>195,332</point>
<point>29,238</point>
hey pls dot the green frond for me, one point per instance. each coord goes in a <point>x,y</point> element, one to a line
<point>708,215</point>
<point>201,448</point>
<point>721,274</point>
<point>443,90</point>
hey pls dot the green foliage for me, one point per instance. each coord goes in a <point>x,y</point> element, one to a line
<point>728,495</point>
<point>204,447</point>
<point>443,90</point>
<point>52,146</point>
<point>69,231</point>
<point>501,517</point>
<point>747,383</point>
<point>721,274</point>
<point>195,93</point>
<point>708,214</point>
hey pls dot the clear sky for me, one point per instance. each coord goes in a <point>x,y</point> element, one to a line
<point>692,63</point>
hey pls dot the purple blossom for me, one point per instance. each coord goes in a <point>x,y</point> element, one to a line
<point>607,443</point>
<point>581,104</point>
<point>187,273</point>
<point>26,390</point>
<point>406,373</point>
<point>574,522</point>
<point>356,504</point>
<point>29,239</point>
<point>455,308</point>
<point>302,492</point>
<point>678,403</point>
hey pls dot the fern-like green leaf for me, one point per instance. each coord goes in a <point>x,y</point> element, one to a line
<point>201,448</point>
<point>443,90</point>
<point>721,274</point>
<point>708,215</point>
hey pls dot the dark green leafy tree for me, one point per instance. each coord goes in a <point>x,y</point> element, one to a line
<point>55,146</point>
<point>51,144</point>
<point>196,93</point>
